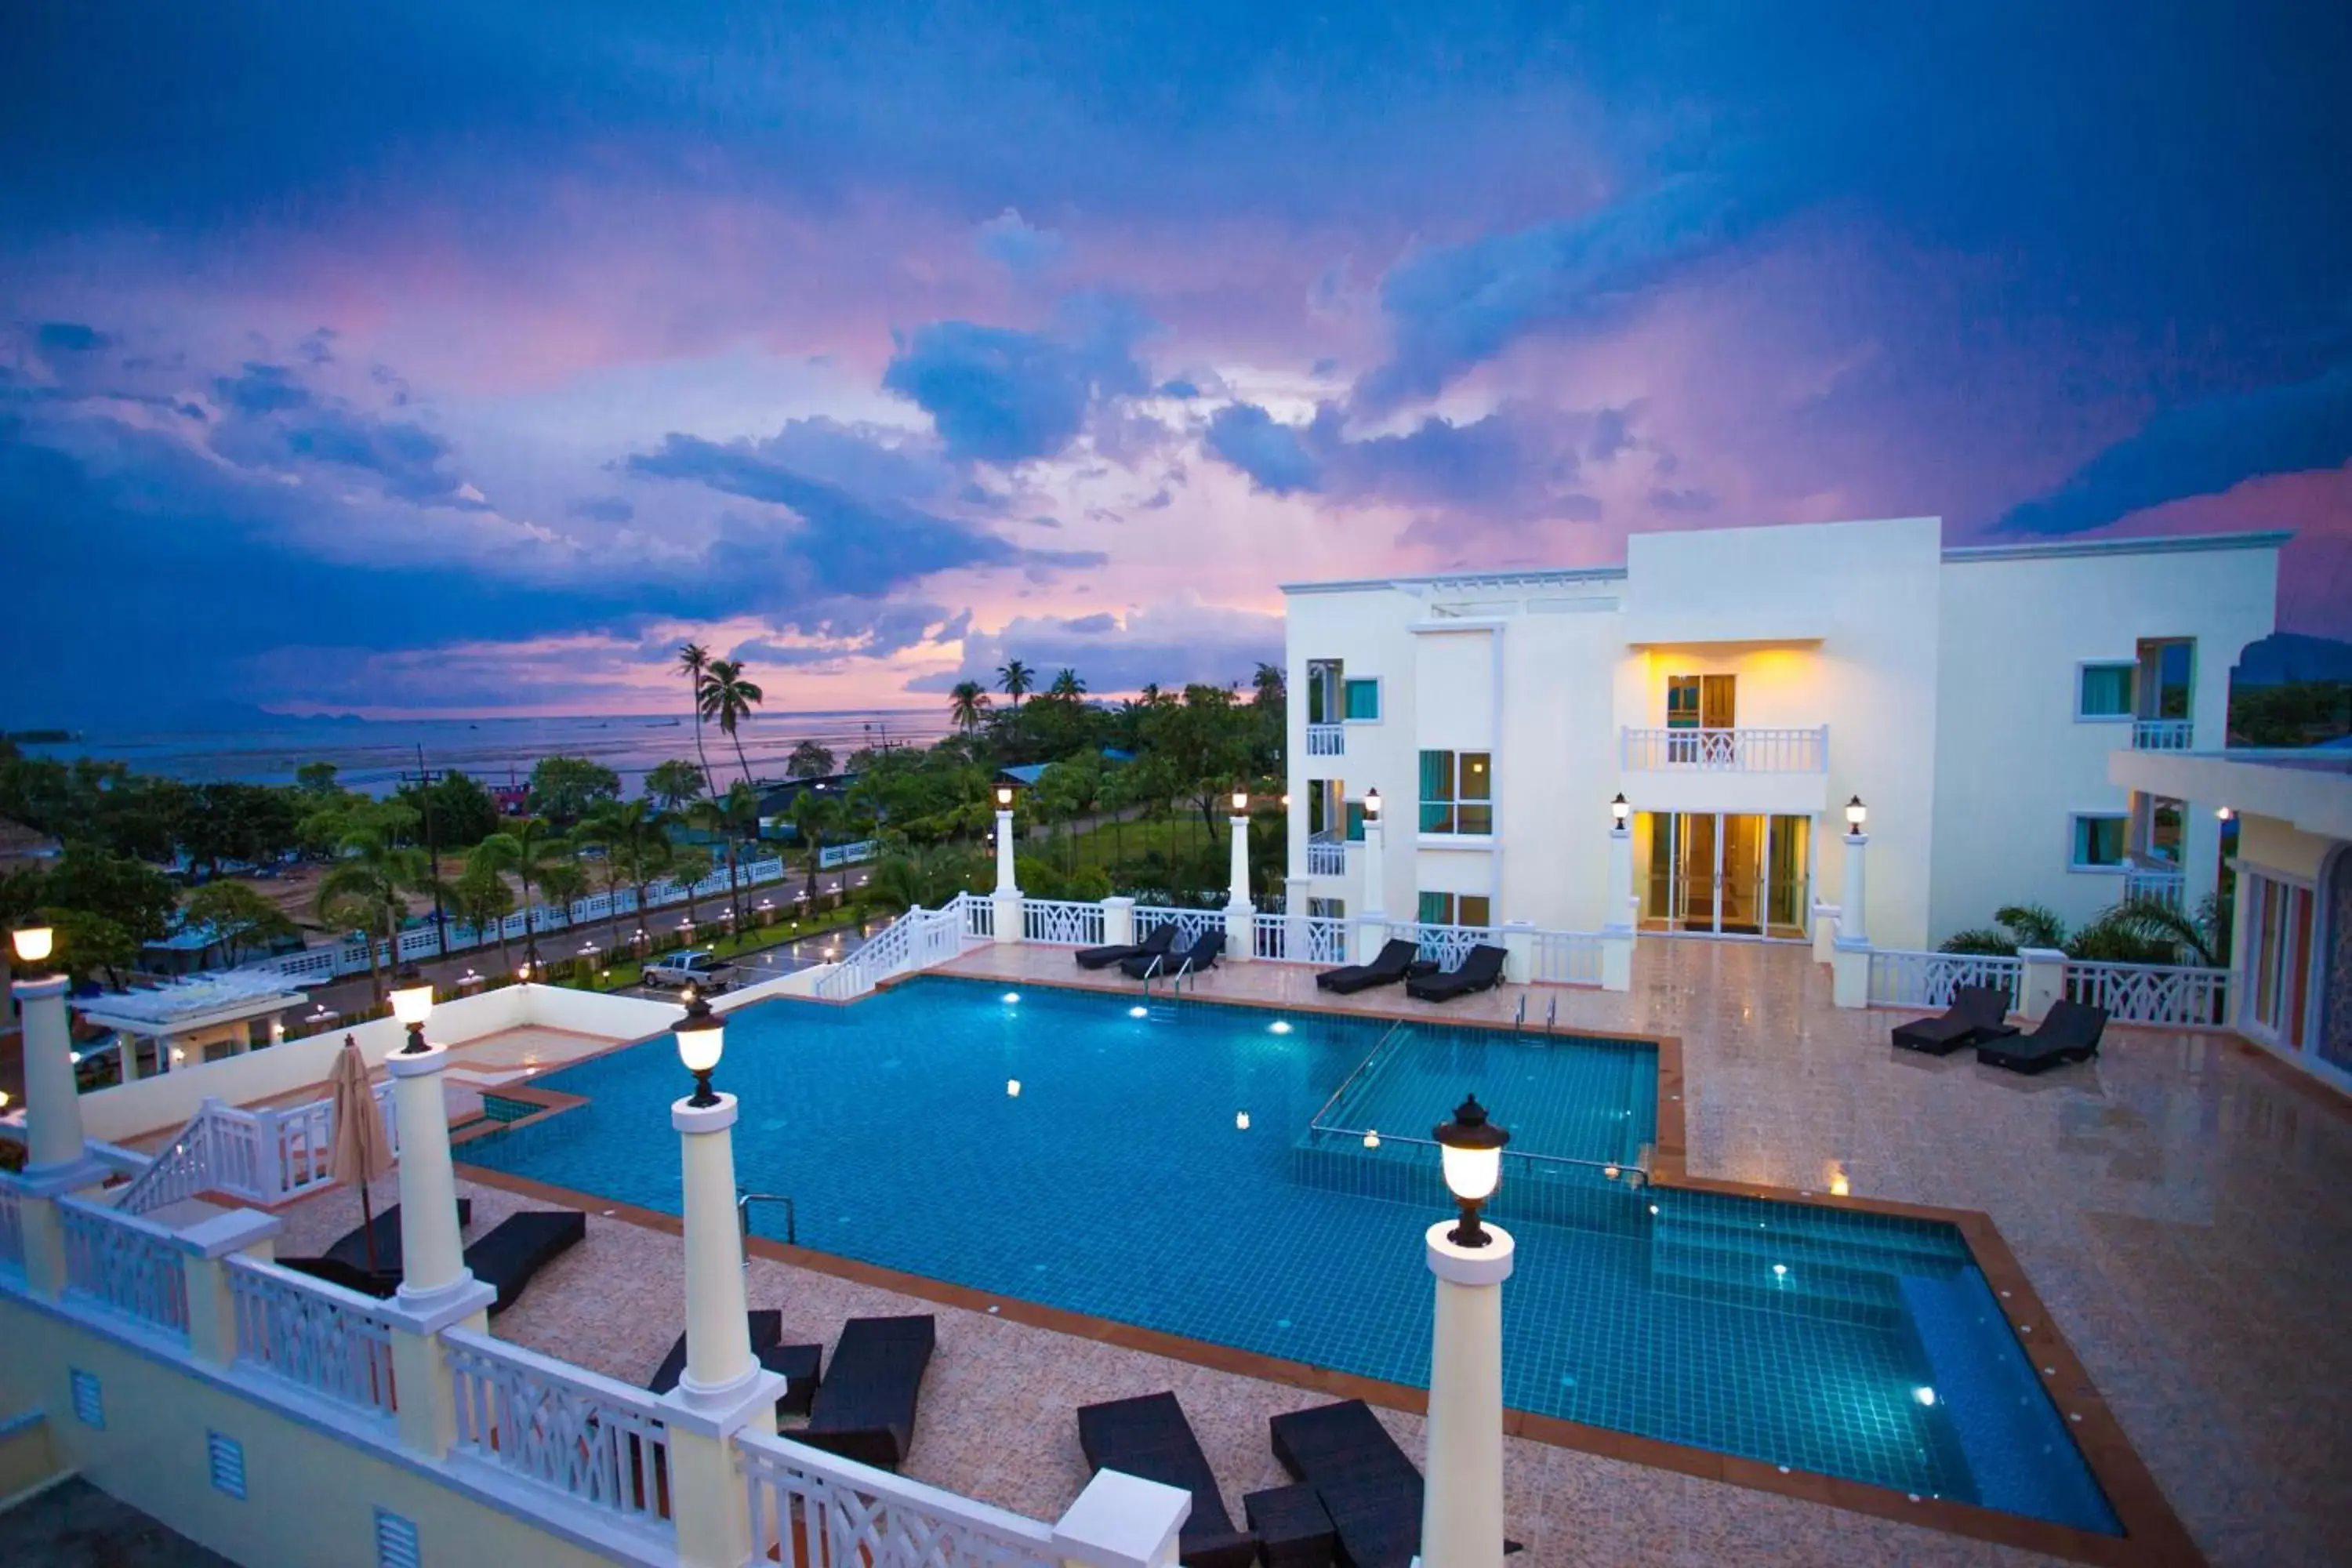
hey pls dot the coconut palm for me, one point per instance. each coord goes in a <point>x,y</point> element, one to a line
<point>1268,684</point>
<point>373,876</point>
<point>723,818</point>
<point>695,660</point>
<point>967,705</point>
<point>1067,683</point>
<point>635,837</point>
<point>1017,680</point>
<point>689,864</point>
<point>539,858</point>
<point>483,898</point>
<point>814,815</point>
<point>728,699</point>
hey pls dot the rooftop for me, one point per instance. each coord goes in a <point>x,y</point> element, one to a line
<point>219,997</point>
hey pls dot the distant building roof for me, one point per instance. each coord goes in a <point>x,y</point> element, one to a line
<point>1025,776</point>
<point>191,1004</point>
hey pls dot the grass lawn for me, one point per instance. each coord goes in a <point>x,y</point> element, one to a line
<point>730,944</point>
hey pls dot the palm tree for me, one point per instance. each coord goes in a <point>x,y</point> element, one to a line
<point>695,659</point>
<point>728,697</point>
<point>720,817</point>
<point>541,858</point>
<point>689,864</point>
<point>483,898</point>
<point>1268,684</point>
<point>1017,680</point>
<point>636,840</point>
<point>373,876</point>
<point>967,705</point>
<point>814,815</point>
<point>1067,684</point>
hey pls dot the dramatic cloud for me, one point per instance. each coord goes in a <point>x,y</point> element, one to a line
<point>1519,462</point>
<point>1005,395</point>
<point>1010,242</point>
<point>1172,642</point>
<point>2202,449</point>
<point>1272,455</point>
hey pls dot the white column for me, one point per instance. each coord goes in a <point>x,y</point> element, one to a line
<point>1297,895</point>
<point>207,1246</point>
<point>1369,926</point>
<point>1617,909</point>
<point>1241,915</point>
<point>126,1048</point>
<point>1519,951</point>
<point>52,1134</point>
<point>1007,897</point>
<point>718,1342</point>
<point>1461,1504</point>
<point>432,1260</point>
<point>1123,1522</point>
<point>2045,980</point>
<point>1850,951</point>
<point>1119,921</point>
<point>1851,927</point>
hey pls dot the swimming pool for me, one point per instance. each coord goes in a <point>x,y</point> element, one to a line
<point>1205,1172</point>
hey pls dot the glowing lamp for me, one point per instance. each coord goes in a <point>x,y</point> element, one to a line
<point>2220,813</point>
<point>412,1004</point>
<point>1005,797</point>
<point>1856,814</point>
<point>701,1036</point>
<point>32,944</point>
<point>1619,811</point>
<point>1471,1149</point>
<point>1241,801</point>
<point>1372,803</point>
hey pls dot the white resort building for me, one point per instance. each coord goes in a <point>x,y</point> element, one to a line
<point>1739,687</point>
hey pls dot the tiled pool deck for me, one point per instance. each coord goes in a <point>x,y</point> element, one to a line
<point>2180,1205</point>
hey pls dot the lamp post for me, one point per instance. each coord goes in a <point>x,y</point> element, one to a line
<point>1240,914</point>
<point>1853,927</point>
<point>1008,891</point>
<point>53,1130</point>
<point>1371,925</point>
<point>717,1343</point>
<point>412,1004</point>
<point>1462,1505</point>
<point>432,1260</point>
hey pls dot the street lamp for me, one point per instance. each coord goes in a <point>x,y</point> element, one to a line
<point>1241,801</point>
<point>412,1004</point>
<point>1005,797</point>
<point>1619,811</point>
<point>32,944</point>
<point>1856,814</point>
<point>1471,1150</point>
<point>701,1036</point>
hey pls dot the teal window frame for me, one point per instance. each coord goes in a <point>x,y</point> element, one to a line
<point>1457,793</point>
<point>2104,669</point>
<point>2087,830</point>
<point>1348,691</point>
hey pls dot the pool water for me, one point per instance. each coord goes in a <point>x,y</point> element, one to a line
<point>1204,1172</point>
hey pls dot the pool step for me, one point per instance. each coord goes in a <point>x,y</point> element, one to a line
<point>1403,1171</point>
<point>1789,1233</point>
<point>1826,1291</point>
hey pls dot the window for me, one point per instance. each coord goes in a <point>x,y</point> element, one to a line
<point>2105,692</point>
<point>2099,842</point>
<point>1363,702</point>
<point>1355,822</point>
<point>1458,791</point>
<point>1702,701</point>
<point>1456,909</point>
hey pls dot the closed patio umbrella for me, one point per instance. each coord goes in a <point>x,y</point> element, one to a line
<point>361,1152</point>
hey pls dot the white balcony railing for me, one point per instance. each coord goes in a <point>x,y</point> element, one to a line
<point>1190,924</point>
<point>1301,939</point>
<point>2151,992</point>
<point>1445,946</point>
<point>1904,979</point>
<point>322,1338</point>
<point>1726,750</point>
<point>125,1263</point>
<point>1060,922</point>
<point>1327,740</point>
<point>2162,734</point>
<point>1327,856</point>
<point>2163,884</point>
<point>1567,957</point>
<point>811,1507</point>
<point>598,1442</point>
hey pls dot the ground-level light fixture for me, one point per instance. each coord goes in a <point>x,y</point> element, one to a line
<point>701,1036</point>
<point>1619,811</point>
<point>1139,1012</point>
<point>1005,797</point>
<point>1372,803</point>
<point>1241,1121</point>
<point>1241,801</point>
<point>1856,814</point>
<point>412,1004</point>
<point>32,944</point>
<point>1011,1089</point>
<point>1472,1152</point>
<point>2223,813</point>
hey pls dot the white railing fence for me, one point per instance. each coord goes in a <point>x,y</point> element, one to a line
<point>1301,939</point>
<point>1445,946</point>
<point>814,1509</point>
<point>1903,979</point>
<point>124,1263</point>
<point>978,916</point>
<point>2163,885</point>
<point>1190,924</point>
<point>2163,734</point>
<point>2152,993</point>
<point>12,1224</point>
<point>319,1337</point>
<point>1327,740</point>
<point>1566,958</point>
<point>181,1171</point>
<point>1327,856</point>
<point>1058,922</point>
<point>590,1438</point>
<point>1726,750</point>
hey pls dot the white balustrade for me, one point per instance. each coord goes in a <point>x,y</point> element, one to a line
<point>591,1439</point>
<point>181,1171</point>
<point>1190,924</point>
<point>1058,922</point>
<point>319,1337</point>
<point>1566,957</point>
<point>1327,740</point>
<point>810,1507</point>
<point>979,918</point>
<point>1301,939</point>
<point>2159,884</point>
<point>1726,750</point>
<point>2152,993</point>
<point>1327,856</point>
<point>1445,946</point>
<point>916,940</point>
<point>125,1264</point>
<point>12,1223</point>
<point>1905,979</point>
<point>2162,734</point>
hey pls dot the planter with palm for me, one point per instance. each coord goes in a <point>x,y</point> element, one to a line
<point>725,696</point>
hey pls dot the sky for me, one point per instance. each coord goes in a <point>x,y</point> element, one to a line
<point>465,358</point>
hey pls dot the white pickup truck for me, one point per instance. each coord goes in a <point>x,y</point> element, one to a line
<point>700,968</point>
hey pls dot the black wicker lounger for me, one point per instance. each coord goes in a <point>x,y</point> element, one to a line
<point>1202,954</point>
<point>520,1246</point>
<point>1978,1013</point>
<point>1395,957</point>
<point>380,1284</point>
<point>1369,1489</point>
<point>797,1364</point>
<point>2070,1034</point>
<point>1149,1436</point>
<point>1482,970</point>
<point>350,1248</point>
<point>865,1409</point>
<point>1158,939</point>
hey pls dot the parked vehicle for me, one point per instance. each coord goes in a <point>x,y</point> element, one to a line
<point>700,968</point>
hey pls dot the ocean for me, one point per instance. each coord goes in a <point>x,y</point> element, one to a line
<point>371,754</point>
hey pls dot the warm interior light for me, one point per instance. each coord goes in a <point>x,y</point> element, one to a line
<point>1286,800</point>
<point>1241,801</point>
<point>1005,797</point>
<point>2221,813</point>
<point>32,944</point>
<point>1856,814</point>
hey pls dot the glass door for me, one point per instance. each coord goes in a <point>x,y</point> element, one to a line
<point>1698,873</point>
<point>1740,881</point>
<point>1788,898</point>
<point>1724,874</point>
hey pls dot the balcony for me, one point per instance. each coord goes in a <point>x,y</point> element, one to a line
<point>2162,734</point>
<point>1327,740</point>
<point>2150,877</point>
<point>1726,750</point>
<point>1327,856</point>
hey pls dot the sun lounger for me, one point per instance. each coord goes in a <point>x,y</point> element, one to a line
<point>1978,1013</point>
<point>1203,954</point>
<point>380,1284</point>
<point>865,1409</point>
<point>351,1246</point>
<point>1395,957</point>
<point>1158,939</point>
<point>797,1364</point>
<point>1369,1489</point>
<point>2070,1034</point>
<point>520,1246</point>
<point>1482,970</point>
<point>1149,1437</point>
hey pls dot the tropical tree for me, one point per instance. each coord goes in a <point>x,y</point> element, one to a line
<point>1067,684</point>
<point>482,897</point>
<point>809,761</point>
<point>728,699</point>
<point>239,917</point>
<point>565,789</point>
<point>928,875</point>
<point>814,815</point>
<point>734,814</point>
<point>565,883</point>
<point>89,944</point>
<point>542,858</point>
<point>695,660</point>
<point>2136,931</point>
<point>1017,680</point>
<point>675,783</point>
<point>689,864</point>
<point>372,879</point>
<point>967,705</point>
<point>635,837</point>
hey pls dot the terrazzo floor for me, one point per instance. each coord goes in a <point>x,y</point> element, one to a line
<point>2181,1204</point>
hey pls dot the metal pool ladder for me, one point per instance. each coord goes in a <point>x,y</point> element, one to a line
<point>743,1202</point>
